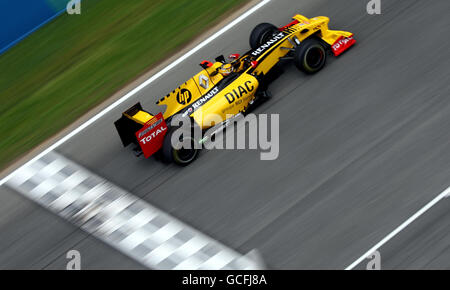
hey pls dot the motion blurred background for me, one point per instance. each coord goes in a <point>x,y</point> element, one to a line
<point>20,18</point>
<point>74,62</point>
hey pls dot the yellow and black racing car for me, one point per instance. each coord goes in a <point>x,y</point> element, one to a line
<point>226,89</point>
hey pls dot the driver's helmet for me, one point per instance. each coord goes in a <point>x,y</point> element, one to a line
<point>226,69</point>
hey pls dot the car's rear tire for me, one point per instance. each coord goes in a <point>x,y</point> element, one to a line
<point>261,34</point>
<point>182,156</point>
<point>311,56</point>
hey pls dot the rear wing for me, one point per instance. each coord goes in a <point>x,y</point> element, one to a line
<point>127,127</point>
<point>142,129</point>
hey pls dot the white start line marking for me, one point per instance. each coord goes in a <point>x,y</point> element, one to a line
<point>118,218</point>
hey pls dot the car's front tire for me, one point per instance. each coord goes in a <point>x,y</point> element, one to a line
<point>261,34</point>
<point>310,56</point>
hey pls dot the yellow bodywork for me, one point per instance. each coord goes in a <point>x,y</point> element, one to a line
<point>236,96</point>
<point>141,117</point>
<point>304,29</point>
<point>228,102</point>
<point>184,95</point>
<point>191,90</point>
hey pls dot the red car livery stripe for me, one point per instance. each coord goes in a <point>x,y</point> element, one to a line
<point>151,136</point>
<point>342,44</point>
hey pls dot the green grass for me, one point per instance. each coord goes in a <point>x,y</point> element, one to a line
<point>74,63</point>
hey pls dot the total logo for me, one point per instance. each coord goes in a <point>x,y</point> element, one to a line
<point>153,135</point>
<point>150,127</point>
<point>268,44</point>
<point>342,42</point>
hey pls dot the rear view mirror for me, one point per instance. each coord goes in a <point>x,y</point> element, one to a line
<point>205,64</point>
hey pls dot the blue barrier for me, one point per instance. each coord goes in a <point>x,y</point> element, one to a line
<point>20,18</point>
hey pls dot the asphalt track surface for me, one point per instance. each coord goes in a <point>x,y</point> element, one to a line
<point>364,145</point>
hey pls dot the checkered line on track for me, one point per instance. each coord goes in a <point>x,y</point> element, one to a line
<point>118,218</point>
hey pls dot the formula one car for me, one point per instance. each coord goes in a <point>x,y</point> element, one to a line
<point>230,88</point>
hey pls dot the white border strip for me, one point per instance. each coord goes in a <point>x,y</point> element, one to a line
<point>141,86</point>
<point>429,205</point>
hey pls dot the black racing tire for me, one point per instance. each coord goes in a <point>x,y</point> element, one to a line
<point>182,157</point>
<point>311,56</point>
<point>261,34</point>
